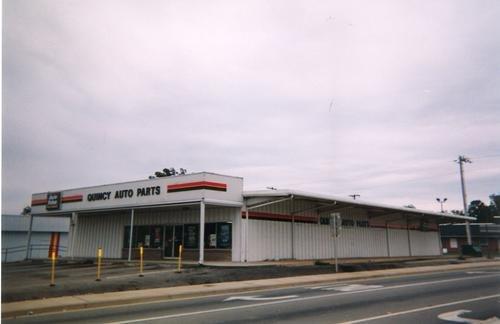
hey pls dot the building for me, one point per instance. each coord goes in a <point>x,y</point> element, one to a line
<point>214,219</point>
<point>47,234</point>
<point>484,235</point>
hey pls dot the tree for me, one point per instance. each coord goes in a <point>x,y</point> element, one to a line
<point>26,211</point>
<point>480,211</point>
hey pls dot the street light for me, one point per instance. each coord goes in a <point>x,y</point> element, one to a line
<point>442,201</point>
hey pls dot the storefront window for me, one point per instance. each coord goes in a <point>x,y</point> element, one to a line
<point>146,236</point>
<point>191,234</point>
<point>224,235</point>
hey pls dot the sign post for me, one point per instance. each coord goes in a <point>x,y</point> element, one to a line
<point>141,255</point>
<point>99,256</point>
<point>179,262</point>
<point>53,272</point>
<point>336,226</point>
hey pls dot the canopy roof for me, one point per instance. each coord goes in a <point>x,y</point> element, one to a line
<point>374,208</point>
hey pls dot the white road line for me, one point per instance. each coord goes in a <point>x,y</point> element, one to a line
<point>257,298</point>
<point>222,309</point>
<point>329,286</point>
<point>421,309</point>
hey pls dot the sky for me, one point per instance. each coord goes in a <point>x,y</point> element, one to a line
<point>376,98</point>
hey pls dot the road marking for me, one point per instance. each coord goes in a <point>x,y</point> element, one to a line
<point>355,287</point>
<point>257,298</point>
<point>222,309</point>
<point>344,287</point>
<point>421,309</point>
<point>455,317</point>
<point>329,286</point>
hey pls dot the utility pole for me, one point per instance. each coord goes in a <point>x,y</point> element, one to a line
<point>354,196</point>
<point>461,160</point>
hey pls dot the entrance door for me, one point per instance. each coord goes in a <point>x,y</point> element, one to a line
<point>169,241</point>
<point>177,239</point>
<point>173,238</point>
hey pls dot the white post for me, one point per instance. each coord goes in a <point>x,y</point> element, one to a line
<point>293,229</point>
<point>246,235</point>
<point>28,240</point>
<point>335,243</point>
<point>461,161</point>
<point>202,230</point>
<point>73,225</point>
<point>408,232</point>
<point>387,239</point>
<point>130,235</point>
<point>242,232</point>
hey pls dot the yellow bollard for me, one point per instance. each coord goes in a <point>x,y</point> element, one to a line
<point>141,253</point>
<point>179,262</point>
<point>99,256</point>
<point>53,274</point>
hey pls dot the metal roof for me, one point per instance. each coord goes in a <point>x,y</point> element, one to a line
<point>348,202</point>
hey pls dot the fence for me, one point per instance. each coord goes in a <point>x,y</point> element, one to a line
<point>36,251</point>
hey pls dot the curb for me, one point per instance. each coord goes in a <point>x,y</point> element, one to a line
<point>66,303</point>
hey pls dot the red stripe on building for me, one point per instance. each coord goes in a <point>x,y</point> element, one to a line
<point>280,217</point>
<point>197,185</point>
<point>74,198</point>
<point>39,202</point>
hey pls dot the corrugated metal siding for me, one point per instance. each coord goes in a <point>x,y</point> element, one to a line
<point>398,242</point>
<point>269,240</point>
<point>106,230</point>
<point>424,243</point>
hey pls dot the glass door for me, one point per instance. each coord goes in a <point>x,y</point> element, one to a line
<point>177,239</point>
<point>169,241</point>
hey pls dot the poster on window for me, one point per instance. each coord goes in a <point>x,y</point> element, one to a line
<point>190,236</point>
<point>224,236</point>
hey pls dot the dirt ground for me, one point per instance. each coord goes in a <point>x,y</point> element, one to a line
<point>30,280</point>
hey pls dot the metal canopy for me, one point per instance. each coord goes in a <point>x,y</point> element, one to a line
<point>374,209</point>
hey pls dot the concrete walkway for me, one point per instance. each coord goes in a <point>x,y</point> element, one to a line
<point>146,295</point>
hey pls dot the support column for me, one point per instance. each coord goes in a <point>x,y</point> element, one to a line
<point>242,232</point>
<point>130,235</point>
<point>73,229</point>
<point>387,239</point>
<point>246,235</point>
<point>409,240</point>
<point>202,230</point>
<point>28,240</point>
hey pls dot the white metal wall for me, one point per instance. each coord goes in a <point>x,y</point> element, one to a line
<point>106,230</point>
<point>271,240</point>
<point>424,243</point>
<point>398,242</point>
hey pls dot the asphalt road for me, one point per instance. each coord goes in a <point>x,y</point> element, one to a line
<point>427,298</point>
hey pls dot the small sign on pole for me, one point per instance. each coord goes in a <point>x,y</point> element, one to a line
<point>336,227</point>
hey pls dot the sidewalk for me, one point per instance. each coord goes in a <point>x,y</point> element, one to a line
<point>156,294</point>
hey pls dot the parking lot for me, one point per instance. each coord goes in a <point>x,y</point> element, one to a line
<point>31,280</point>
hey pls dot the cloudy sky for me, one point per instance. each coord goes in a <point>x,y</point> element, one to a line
<point>375,98</point>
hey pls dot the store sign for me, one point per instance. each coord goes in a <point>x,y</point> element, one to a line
<point>124,193</point>
<point>53,201</point>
